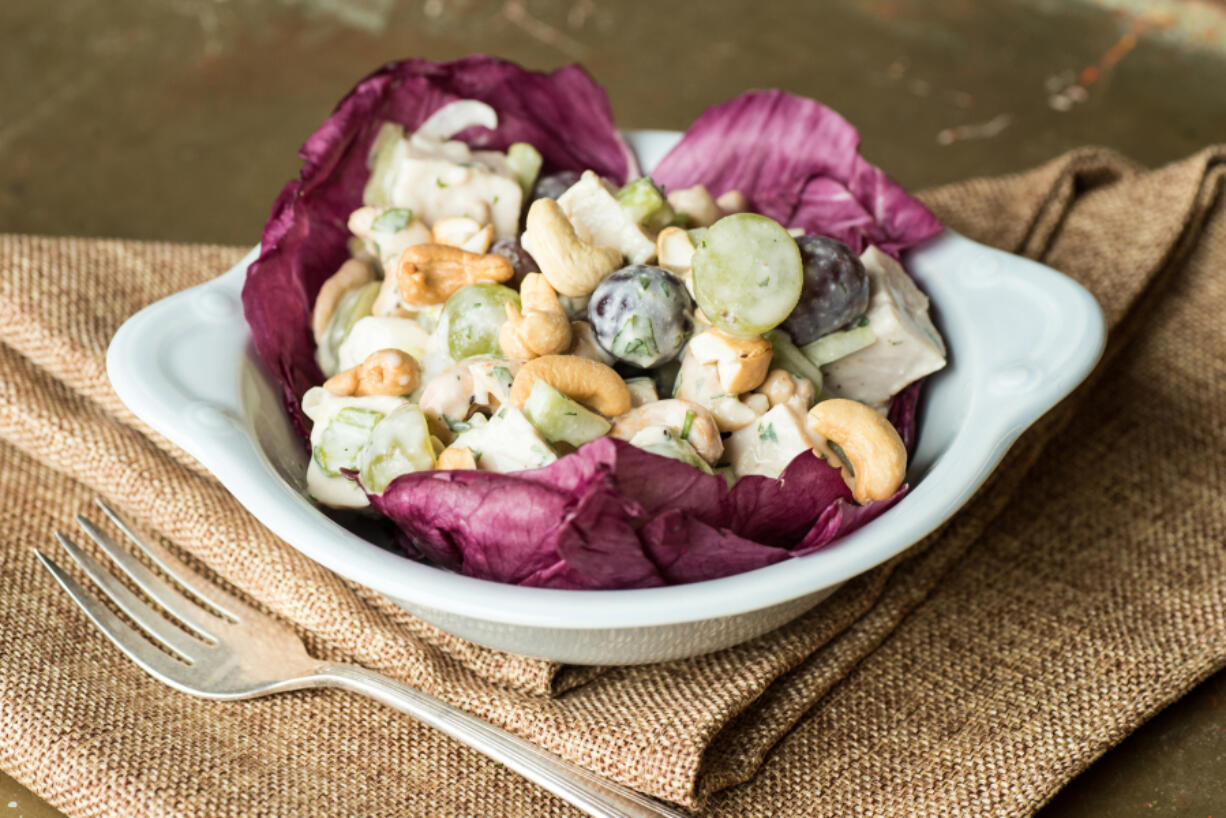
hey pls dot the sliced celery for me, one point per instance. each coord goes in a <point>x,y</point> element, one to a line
<point>353,306</point>
<point>559,418</point>
<point>342,441</point>
<point>788,356</point>
<point>836,345</point>
<point>525,162</point>
<point>664,442</point>
<point>382,153</point>
<point>645,203</point>
<point>400,443</point>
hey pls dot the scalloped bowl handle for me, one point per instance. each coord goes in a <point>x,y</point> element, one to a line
<point>1027,334</point>
<point>148,357</point>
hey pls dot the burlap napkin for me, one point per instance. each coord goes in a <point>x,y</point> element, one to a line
<point>955,679</point>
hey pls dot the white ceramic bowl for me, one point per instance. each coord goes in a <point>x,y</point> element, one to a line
<point>1021,337</point>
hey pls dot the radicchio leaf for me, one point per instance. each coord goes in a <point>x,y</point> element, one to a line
<point>799,163</point>
<point>594,519</point>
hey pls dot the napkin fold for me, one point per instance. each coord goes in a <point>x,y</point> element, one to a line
<point>1083,588</point>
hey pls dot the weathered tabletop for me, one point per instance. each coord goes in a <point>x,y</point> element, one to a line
<point>180,121</point>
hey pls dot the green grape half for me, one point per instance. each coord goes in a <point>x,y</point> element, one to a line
<point>472,317</point>
<point>747,274</point>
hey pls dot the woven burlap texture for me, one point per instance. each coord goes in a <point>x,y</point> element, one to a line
<point>955,679</point>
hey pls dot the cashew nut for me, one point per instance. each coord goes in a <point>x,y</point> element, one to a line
<point>463,232</point>
<point>782,386</point>
<point>384,372</point>
<point>862,443</point>
<point>675,251</point>
<point>430,273</point>
<point>542,328</point>
<point>572,266</point>
<point>758,403</point>
<point>742,363</point>
<point>697,203</point>
<point>352,274</point>
<point>733,201</point>
<point>451,459</point>
<point>691,422</point>
<point>592,384</point>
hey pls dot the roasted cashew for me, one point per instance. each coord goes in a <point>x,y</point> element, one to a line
<point>384,372</point>
<point>742,363</point>
<point>463,232</point>
<point>451,459</point>
<point>675,251</point>
<point>782,386</point>
<point>572,266</point>
<point>542,328</point>
<point>697,203</point>
<point>758,403</point>
<point>733,201</point>
<point>352,274</point>
<point>593,384</point>
<point>692,423</point>
<point>430,273</point>
<point>864,445</point>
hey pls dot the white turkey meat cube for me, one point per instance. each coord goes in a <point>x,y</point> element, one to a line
<point>598,219</point>
<point>769,444</point>
<point>907,348</point>
<point>437,180</point>
<point>509,442</point>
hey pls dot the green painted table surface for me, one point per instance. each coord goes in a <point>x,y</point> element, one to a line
<point>180,121</point>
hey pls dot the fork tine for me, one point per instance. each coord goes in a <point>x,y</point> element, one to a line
<point>153,623</point>
<point>212,597</point>
<point>128,640</point>
<point>161,591</point>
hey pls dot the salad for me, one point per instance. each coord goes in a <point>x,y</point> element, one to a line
<point>547,368</point>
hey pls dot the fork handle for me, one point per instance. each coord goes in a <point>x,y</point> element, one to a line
<point>592,793</point>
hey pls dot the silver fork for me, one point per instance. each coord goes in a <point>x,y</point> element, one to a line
<point>236,652</point>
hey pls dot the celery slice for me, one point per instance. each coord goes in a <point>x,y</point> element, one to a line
<point>836,345</point>
<point>400,443</point>
<point>644,203</point>
<point>344,438</point>
<point>353,306</point>
<point>525,162</point>
<point>664,442</point>
<point>382,153</point>
<point>788,356</point>
<point>559,418</point>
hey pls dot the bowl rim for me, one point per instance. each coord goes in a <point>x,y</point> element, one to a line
<point>232,453</point>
